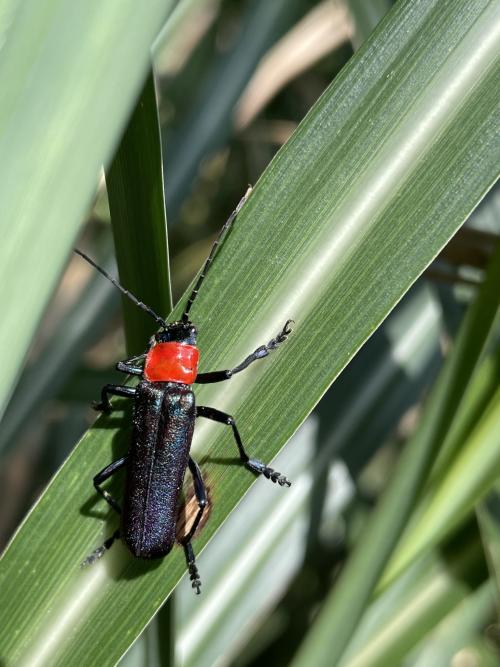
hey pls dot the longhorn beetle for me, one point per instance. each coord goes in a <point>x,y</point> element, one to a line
<point>163,424</point>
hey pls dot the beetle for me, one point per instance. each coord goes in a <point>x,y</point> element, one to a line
<point>163,423</point>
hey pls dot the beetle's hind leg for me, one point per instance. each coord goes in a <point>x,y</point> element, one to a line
<point>101,477</point>
<point>201,496</point>
<point>192,568</point>
<point>256,465</point>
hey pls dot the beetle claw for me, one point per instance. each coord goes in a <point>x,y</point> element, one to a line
<point>257,466</point>
<point>94,556</point>
<point>98,553</point>
<point>194,575</point>
<point>281,337</point>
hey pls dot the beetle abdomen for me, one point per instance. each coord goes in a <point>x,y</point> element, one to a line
<point>163,429</point>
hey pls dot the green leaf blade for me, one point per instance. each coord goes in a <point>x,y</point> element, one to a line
<point>136,200</point>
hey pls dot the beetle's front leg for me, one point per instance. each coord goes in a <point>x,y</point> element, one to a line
<point>252,464</point>
<point>129,365</point>
<point>114,390</point>
<point>259,353</point>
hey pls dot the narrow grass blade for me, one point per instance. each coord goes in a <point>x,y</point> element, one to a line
<point>430,596</point>
<point>136,202</point>
<point>446,505</point>
<point>489,516</point>
<point>464,625</point>
<point>479,394</point>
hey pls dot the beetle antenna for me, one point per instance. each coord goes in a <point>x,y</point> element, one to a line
<point>124,291</point>
<point>213,251</point>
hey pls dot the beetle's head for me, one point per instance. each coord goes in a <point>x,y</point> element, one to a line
<point>177,332</point>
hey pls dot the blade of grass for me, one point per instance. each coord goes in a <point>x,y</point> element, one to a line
<point>445,506</point>
<point>462,626</point>
<point>344,606</point>
<point>488,513</point>
<point>479,394</point>
<point>434,594</point>
<point>339,227</point>
<point>135,190</point>
<point>70,73</point>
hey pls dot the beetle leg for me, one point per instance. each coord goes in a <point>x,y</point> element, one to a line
<point>114,390</point>
<point>101,477</point>
<point>100,551</point>
<point>259,353</point>
<point>192,569</point>
<point>201,497</point>
<point>129,370</point>
<point>252,464</point>
<point>105,474</point>
<point>128,365</point>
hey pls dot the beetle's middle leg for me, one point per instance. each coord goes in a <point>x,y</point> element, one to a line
<point>253,464</point>
<point>114,390</point>
<point>101,477</point>
<point>105,474</point>
<point>201,496</point>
